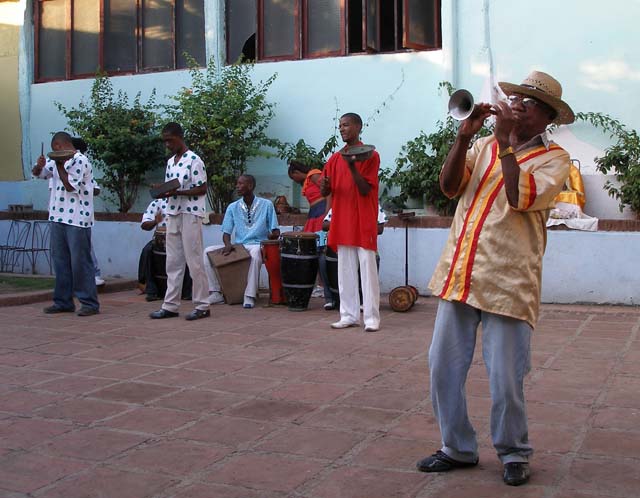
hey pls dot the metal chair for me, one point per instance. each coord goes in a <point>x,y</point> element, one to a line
<point>15,244</point>
<point>40,235</point>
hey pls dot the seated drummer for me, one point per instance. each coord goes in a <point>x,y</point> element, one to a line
<point>254,220</point>
<point>155,216</point>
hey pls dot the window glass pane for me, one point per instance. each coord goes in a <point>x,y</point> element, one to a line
<point>354,19</point>
<point>157,34</point>
<point>85,36</point>
<point>324,23</point>
<point>241,29</point>
<point>279,28</point>
<point>190,31</point>
<point>372,25</point>
<point>52,40</point>
<point>422,24</point>
<point>120,49</point>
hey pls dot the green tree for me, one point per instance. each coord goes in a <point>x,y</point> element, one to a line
<point>621,159</point>
<point>122,137</point>
<point>225,116</point>
<point>417,168</point>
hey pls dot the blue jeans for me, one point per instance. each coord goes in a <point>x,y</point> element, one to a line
<point>73,266</point>
<point>506,352</point>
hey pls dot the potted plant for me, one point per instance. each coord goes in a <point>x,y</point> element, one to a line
<point>621,159</point>
<point>123,138</point>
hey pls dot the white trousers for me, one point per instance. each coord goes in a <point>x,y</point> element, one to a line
<point>253,275</point>
<point>184,243</point>
<point>349,257</point>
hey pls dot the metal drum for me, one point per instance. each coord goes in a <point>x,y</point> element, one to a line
<point>271,257</point>
<point>299,266</point>
<point>331,257</point>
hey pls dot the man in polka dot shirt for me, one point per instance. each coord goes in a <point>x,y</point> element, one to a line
<point>185,210</point>
<point>71,216</point>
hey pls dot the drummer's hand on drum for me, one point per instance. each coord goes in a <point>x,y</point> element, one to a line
<point>273,235</point>
<point>226,250</point>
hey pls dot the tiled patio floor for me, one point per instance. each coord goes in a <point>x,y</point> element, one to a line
<point>268,403</point>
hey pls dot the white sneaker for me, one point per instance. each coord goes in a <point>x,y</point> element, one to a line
<point>216,297</point>
<point>249,302</point>
<point>318,292</point>
<point>343,325</point>
<point>99,281</point>
<point>372,328</point>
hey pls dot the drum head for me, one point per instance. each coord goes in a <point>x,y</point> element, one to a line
<point>361,152</point>
<point>61,155</point>
<point>401,299</point>
<point>270,243</point>
<point>299,235</point>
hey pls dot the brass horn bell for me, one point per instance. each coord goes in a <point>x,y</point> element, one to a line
<point>460,104</point>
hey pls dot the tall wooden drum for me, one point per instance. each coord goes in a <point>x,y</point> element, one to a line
<point>159,259</point>
<point>299,265</point>
<point>331,257</point>
<point>271,258</point>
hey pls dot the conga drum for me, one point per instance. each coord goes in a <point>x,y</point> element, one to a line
<point>271,257</point>
<point>331,257</point>
<point>299,266</point>
<point>159,259</point>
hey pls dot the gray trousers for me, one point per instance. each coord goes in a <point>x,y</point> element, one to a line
<point>506,352</point>
<point>184,243</point>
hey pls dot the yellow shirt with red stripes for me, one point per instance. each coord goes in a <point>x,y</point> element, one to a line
<point>493,256</point>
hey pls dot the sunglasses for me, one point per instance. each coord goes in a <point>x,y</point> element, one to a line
<point>527,102</point>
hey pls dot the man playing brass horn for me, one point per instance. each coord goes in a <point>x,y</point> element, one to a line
<point>490,270</point>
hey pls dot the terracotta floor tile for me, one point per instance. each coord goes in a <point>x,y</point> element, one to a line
<point>81,410</point>
<point>265,472</point>
<point>94,444</point>
<point>133,392</point>
<point>228,431</point>
<point>318,412</point>
<point>111,482</point>
<point>150,420</point>
<point>27,472</point>
<point>355,482</point>
<point>173,457</point>
<point>618,443</point>
<point>194,400</point>
<point>609,476</point>
<point>271,410</point>
<point>312,442</point>
<point>351,418</point>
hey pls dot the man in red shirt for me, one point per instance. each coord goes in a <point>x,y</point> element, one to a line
<point>353,186</point>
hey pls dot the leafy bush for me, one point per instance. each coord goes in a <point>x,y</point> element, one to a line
<point>308,155</point>
<point>621,159</point>
<point>417,170</point>
<point>225,116</point>
<point>123,139</point>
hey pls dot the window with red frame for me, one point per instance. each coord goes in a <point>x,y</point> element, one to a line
<point>271,30</point>
<point>75,38</point>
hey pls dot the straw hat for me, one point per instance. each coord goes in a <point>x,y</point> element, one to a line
<point>546,89</point>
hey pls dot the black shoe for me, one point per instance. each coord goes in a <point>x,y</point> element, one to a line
<point>197,314</point>
<point>152,297</point>
<point>87,311</point>
<point>516,473</point>
<point>163,313</point>
<point>50,310</point>
<point>440,462</point>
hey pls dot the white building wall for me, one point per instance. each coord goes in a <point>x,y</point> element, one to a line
<point>590,49</point>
